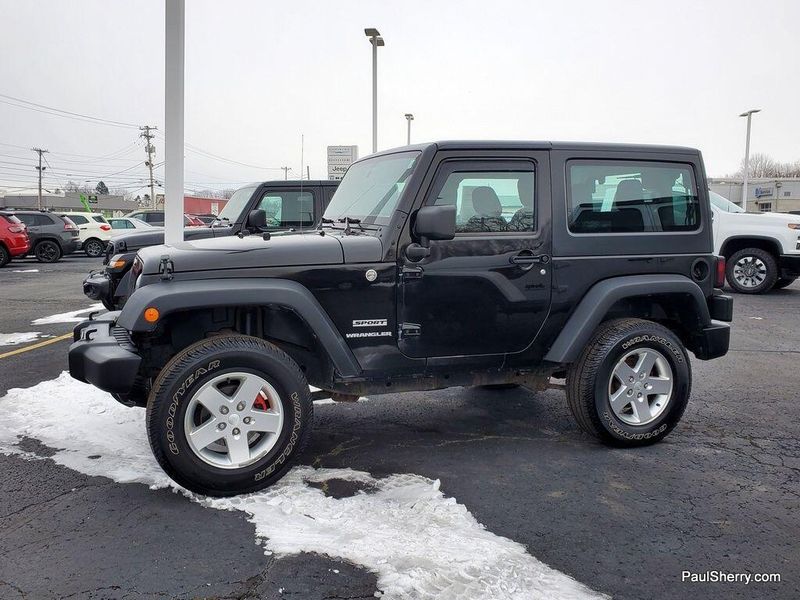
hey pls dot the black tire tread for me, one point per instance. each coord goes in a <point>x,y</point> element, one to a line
<point>5,256</point>
<point>196,351</point>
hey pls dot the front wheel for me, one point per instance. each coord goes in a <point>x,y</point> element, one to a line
<point>631,383</point>
<point>228,415</point>
<point>752,271</point>
<point>5,256</point>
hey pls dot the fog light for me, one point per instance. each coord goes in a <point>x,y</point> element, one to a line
<point>151,314</point>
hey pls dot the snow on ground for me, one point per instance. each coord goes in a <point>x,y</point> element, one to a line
<point>26,271</point>
<point>12,339</point>
<point>68,317</point>
<point>419,542</point>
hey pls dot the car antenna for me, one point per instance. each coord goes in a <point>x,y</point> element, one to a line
<point>300,199</point>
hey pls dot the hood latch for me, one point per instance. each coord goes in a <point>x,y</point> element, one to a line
<point>166,268</point>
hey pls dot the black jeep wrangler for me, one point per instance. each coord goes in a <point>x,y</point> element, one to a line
<point>445,264</point>
<point>273,206</point>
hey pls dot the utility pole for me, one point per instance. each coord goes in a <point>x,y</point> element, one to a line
<point>285,173</point>
<point>749,115</point>
<point>308,172</point>
<point>376,40</point>
<point>409,118</point>
<point>40,168</point>
<point>150,149</point>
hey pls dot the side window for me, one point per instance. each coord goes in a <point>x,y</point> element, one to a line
<point>631,197</point>
<point>78,219</point>
<point>45,220</point>
<point>100,219</point>
<point>491,201</point>
<point>286,208</point>
<point>27,219</point>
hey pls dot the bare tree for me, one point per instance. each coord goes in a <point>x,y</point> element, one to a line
<point>763,165</point>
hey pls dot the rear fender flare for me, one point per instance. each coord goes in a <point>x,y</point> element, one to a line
<point>591,311</point>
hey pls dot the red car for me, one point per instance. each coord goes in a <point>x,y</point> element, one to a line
<point>13,238</point>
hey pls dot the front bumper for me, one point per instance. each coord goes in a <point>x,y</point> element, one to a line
<point>789,264</point>
<point>102,354</point>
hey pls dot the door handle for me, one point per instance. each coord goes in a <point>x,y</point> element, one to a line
<point>528,258</point>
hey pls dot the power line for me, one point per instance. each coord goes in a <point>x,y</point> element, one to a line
<point>27,104</point>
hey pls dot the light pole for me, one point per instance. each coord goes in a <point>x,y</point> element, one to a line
<point>409,118</point>
<point>749,115</point>
<point>376,40</point>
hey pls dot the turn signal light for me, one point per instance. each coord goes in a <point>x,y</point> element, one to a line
<point>118,264</point>
<point>719,275</point>
<point>151,314</point>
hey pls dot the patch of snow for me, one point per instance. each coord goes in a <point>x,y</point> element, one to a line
<point>419,542</point>
<point>25,271</point>
<point>68,317</point>
<point>12,339</point>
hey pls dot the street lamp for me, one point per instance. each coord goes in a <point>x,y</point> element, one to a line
<point>376,40</point>
<point>749,115</point>
<point>409,118</point>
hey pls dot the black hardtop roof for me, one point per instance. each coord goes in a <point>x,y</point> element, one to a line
<point>542,145</point>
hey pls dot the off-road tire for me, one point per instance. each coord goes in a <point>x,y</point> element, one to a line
<point>5,256</point>
<point>47,251</point>
<point>784,282</point>
<point>189,370</point>
<point>769,262</point>
<point>94,248</point>
<point>588,379</point>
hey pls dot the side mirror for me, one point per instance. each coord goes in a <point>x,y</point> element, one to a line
<point>435,223</point>
<point>431,223</point>
<point>257,219</point>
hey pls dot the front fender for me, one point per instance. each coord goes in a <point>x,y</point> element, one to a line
<point>603,295</point>
<point>174,296</point>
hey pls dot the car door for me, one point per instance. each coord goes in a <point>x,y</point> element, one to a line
<point>487,291</point>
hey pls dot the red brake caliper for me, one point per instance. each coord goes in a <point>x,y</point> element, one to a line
<point>260,402</point>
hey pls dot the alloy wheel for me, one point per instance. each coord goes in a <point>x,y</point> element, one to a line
<point>750,271</point>
<point>640,386</point>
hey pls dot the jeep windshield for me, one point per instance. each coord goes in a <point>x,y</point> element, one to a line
<point>371,189</point>
<point>233,209</point>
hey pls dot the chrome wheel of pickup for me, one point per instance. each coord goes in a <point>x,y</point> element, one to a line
<point>233,420</point>
<point>750,271</point>
<point>640,386</point>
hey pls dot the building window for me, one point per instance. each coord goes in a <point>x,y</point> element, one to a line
<point>787,194</point>
<point>765,206</point>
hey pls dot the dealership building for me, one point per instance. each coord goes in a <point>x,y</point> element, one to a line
<point>109,205</point>
<point>764,194</point>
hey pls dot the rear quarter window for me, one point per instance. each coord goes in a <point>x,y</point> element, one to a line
<point>631,197</point>
<point>100,219</point>
<point>78,219</point>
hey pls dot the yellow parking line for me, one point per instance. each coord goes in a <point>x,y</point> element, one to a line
<point>35,346</point>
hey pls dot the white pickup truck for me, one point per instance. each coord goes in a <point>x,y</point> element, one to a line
<point>762,250</point>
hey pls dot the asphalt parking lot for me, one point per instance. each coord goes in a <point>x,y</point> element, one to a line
<point>722,492</point>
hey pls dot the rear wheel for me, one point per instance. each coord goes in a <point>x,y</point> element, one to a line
<point>228,415</point>
<point>752,271</point>
<point>47,251</point>
<point>784,282</point>
<point>631,384</point>
<point>93,247</point>
<point>5,257</point>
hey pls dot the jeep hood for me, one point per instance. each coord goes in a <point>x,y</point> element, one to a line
<point>252,251</point>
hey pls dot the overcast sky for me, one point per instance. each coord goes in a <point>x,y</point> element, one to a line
<point>261,73</point>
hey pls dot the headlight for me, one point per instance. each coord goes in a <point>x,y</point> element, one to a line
<point>117,263</point>
<point>794,225</point>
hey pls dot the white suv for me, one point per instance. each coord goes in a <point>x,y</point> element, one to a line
<point>94,231</point>
<point>762,250</point>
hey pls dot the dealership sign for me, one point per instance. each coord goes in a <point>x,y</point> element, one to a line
<point>762,192</point>
<point>339,158</point>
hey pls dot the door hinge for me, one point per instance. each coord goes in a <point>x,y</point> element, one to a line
<point>166,268</point>
<point>409,272</point>
<point>409,330</point>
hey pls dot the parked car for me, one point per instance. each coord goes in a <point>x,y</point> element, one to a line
<point>156,218</point>
<point>51,235</point>
<point>94,231</point>
<point>437,265</point>
<point>208,219</point>
<point>283,206</point>
<point>126,224</point>
<point>14,239</point>
<point>762,249</point>
<point>193,221</point>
